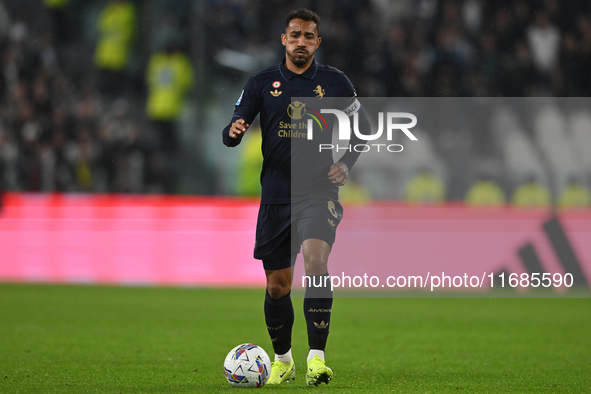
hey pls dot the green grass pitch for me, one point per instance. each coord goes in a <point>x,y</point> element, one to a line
<point>101,339</point>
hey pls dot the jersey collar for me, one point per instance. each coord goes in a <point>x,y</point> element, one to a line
<point>310,73</point>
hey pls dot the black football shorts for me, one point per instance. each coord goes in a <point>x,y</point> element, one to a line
<point>281,229</point>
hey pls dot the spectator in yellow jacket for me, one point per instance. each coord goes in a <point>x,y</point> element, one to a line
<point>117,26</point>
<point>531,194</point>
<point>425,188</point>
<point>169,78</point>
<point>248,182</point>
<point>575,195</point>
<point>485,193</point>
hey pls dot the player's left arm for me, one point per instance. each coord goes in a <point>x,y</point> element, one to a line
<point>339,172</point>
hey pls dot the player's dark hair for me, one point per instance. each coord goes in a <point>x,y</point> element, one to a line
<point>305,15</point>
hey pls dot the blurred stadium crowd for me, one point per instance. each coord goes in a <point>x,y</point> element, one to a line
<point>432,48</point>
<point>119,96</point>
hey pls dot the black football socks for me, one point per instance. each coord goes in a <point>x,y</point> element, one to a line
<point>317,309</point>
<point>279,317</point>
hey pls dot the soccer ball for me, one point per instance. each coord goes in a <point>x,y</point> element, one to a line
<point>247,365</point>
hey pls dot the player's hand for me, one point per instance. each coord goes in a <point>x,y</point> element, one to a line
<point>238,129</point>
<point>338,174</point>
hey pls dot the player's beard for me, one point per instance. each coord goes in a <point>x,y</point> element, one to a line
<point>299,59</point>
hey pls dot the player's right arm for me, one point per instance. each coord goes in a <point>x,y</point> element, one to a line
<point>247,108</point>
<point>238,129</point>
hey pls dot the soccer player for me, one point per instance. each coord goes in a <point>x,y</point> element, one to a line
<point>299,204</point>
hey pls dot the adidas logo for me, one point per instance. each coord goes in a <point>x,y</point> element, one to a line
<point>564,251</point>
<point>322,325</point>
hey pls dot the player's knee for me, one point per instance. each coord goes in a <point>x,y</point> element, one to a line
<point>315,265</point>
<point>278,289</point>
